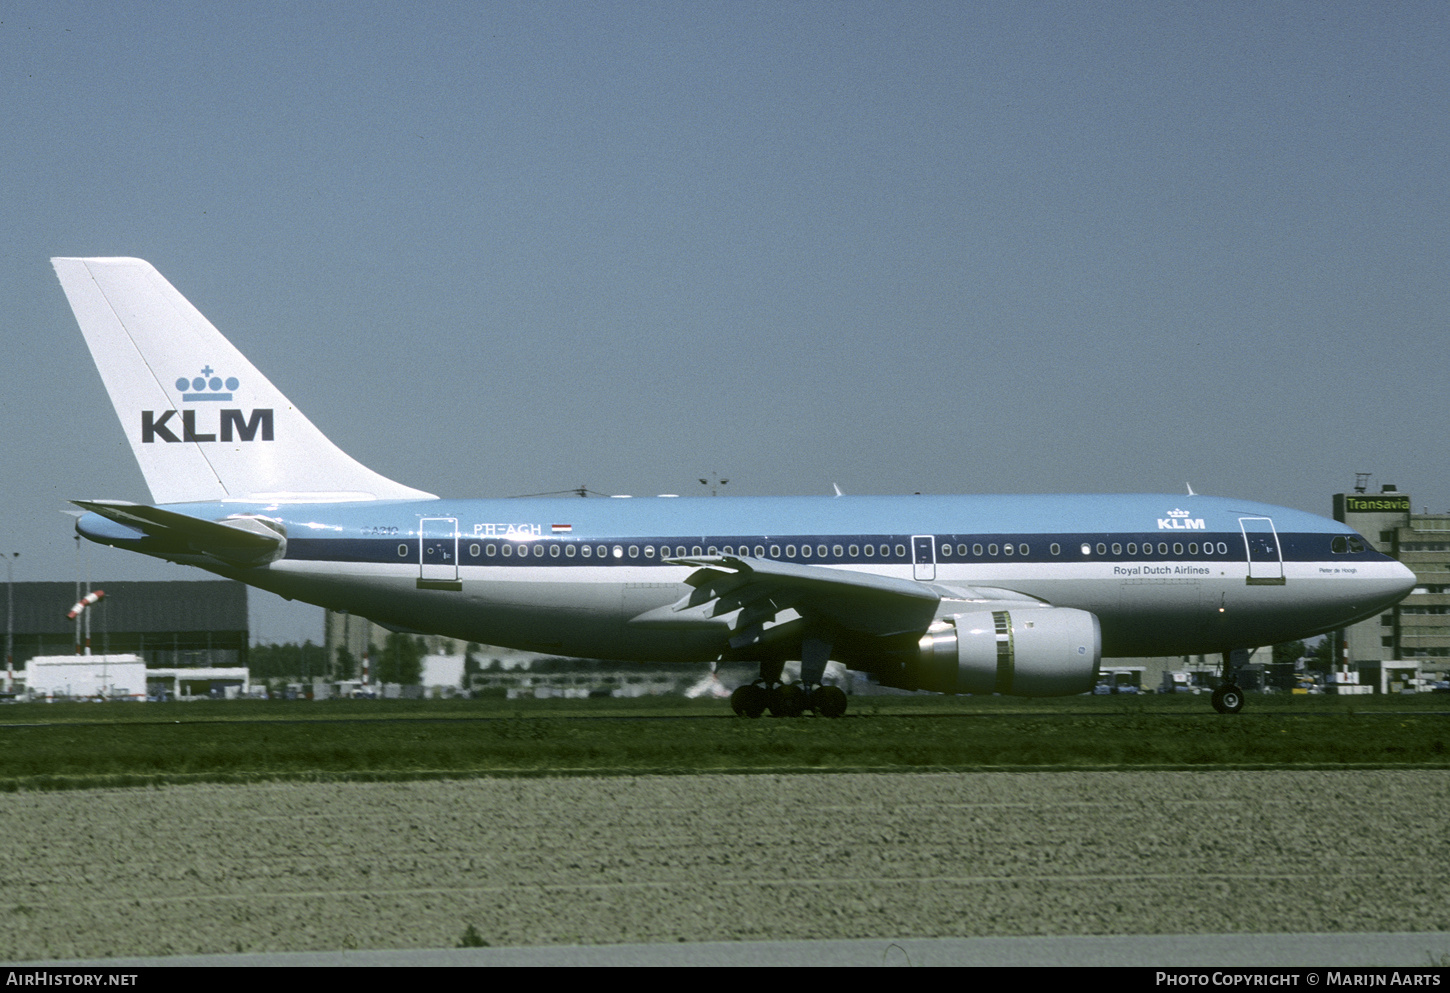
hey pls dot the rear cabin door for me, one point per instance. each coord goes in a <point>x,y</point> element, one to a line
<point>923,557</point>
<point>438,553</point>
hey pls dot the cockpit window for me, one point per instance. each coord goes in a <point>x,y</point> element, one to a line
<point>1346,543</point>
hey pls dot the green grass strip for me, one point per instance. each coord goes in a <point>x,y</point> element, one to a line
<point>80,746</point>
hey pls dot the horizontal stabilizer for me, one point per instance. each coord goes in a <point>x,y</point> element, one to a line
<point>238,541</point>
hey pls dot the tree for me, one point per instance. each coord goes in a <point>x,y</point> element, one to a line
<point>346,663</point>
<point>289,661</point>
<point>1321,656</point>
<point>401,660</point>
<point>1288,652</point>
<point>470,664</point>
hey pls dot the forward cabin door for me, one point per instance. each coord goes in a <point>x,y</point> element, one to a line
<point>923,557</point>
<point>1261,544</point>
<point>438,553</point>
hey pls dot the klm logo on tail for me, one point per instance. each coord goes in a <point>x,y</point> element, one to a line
<point>206,387</point>
<point>234,427</point>
<point>207,381</point>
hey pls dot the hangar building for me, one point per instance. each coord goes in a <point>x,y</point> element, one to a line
<point>167,624</point>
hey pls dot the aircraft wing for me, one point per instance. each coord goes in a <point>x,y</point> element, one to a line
<point>239,541</point>
<point>744,597</point>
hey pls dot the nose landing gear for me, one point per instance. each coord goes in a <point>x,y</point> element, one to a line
<point>1228,698</point>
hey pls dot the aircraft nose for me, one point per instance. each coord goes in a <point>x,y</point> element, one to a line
<point>1408,580</point>
<point>1395,585</point>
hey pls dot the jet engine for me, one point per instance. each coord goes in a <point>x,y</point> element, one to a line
<point>1036,651</point>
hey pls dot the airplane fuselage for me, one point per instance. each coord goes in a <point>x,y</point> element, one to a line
<point>1165,575</point>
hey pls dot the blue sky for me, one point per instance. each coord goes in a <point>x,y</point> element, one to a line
<point>495,249</point>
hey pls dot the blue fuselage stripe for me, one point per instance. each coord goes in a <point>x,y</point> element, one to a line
<point>959,548</point>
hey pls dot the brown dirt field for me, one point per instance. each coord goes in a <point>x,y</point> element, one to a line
<point>291,867</point>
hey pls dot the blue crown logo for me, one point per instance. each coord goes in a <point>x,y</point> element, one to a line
<point>207,386</point>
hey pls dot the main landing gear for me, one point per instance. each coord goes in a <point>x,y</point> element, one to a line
<point>790,699</point>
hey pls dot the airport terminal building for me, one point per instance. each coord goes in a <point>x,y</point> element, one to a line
<point>1417,630</point>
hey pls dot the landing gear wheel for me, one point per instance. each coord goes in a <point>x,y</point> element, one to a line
<point>1228,699</point>
<point>749,700</point>
<point>787,700</point>
<point>829,701</point>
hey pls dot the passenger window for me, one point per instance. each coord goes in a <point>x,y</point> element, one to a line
<point>492,550</point>
<point>821,550</point>
<point>901,551</point>
<point>946,551</point>
<point>618,551</point>
<point>538,551</point>
<point>553,551</point>
<point>1162,548</point>
<point>1007,548</point>
<point>1087,549</point>
<point>634,551</point>
<point>1193,548</point>
<point>775,551</point>
<point>1024,550</point>
<point>1178,548</point>
<point>1222,548</point>
<point>508,550</point>
<point>569,550</point>
<point>760,551</point>
<point>991,549</point>
<point>1132,548</point>
<point>837,551</point>
<point>1055,548</point>
<point>962,551</point>
<point>1117,548</point>
<point>695,551</point>
<point>977,550</point>
<point>586,550</point>
<point>649,552</point>
<point>870,550</point>
<point>790,551</point>
<point>1102,549</point>
<point>855,551</point>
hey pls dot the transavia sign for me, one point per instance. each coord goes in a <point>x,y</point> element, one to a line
<point>1178,520</point>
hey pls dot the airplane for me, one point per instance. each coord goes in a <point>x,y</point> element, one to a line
<point>1008,594</point>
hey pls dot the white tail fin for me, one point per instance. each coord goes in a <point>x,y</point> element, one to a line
<point>202,421</point>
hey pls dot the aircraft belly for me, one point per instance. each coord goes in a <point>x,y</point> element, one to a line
<point>584,619</point>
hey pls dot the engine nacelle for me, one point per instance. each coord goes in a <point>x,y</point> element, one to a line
<point>1036,651</point>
